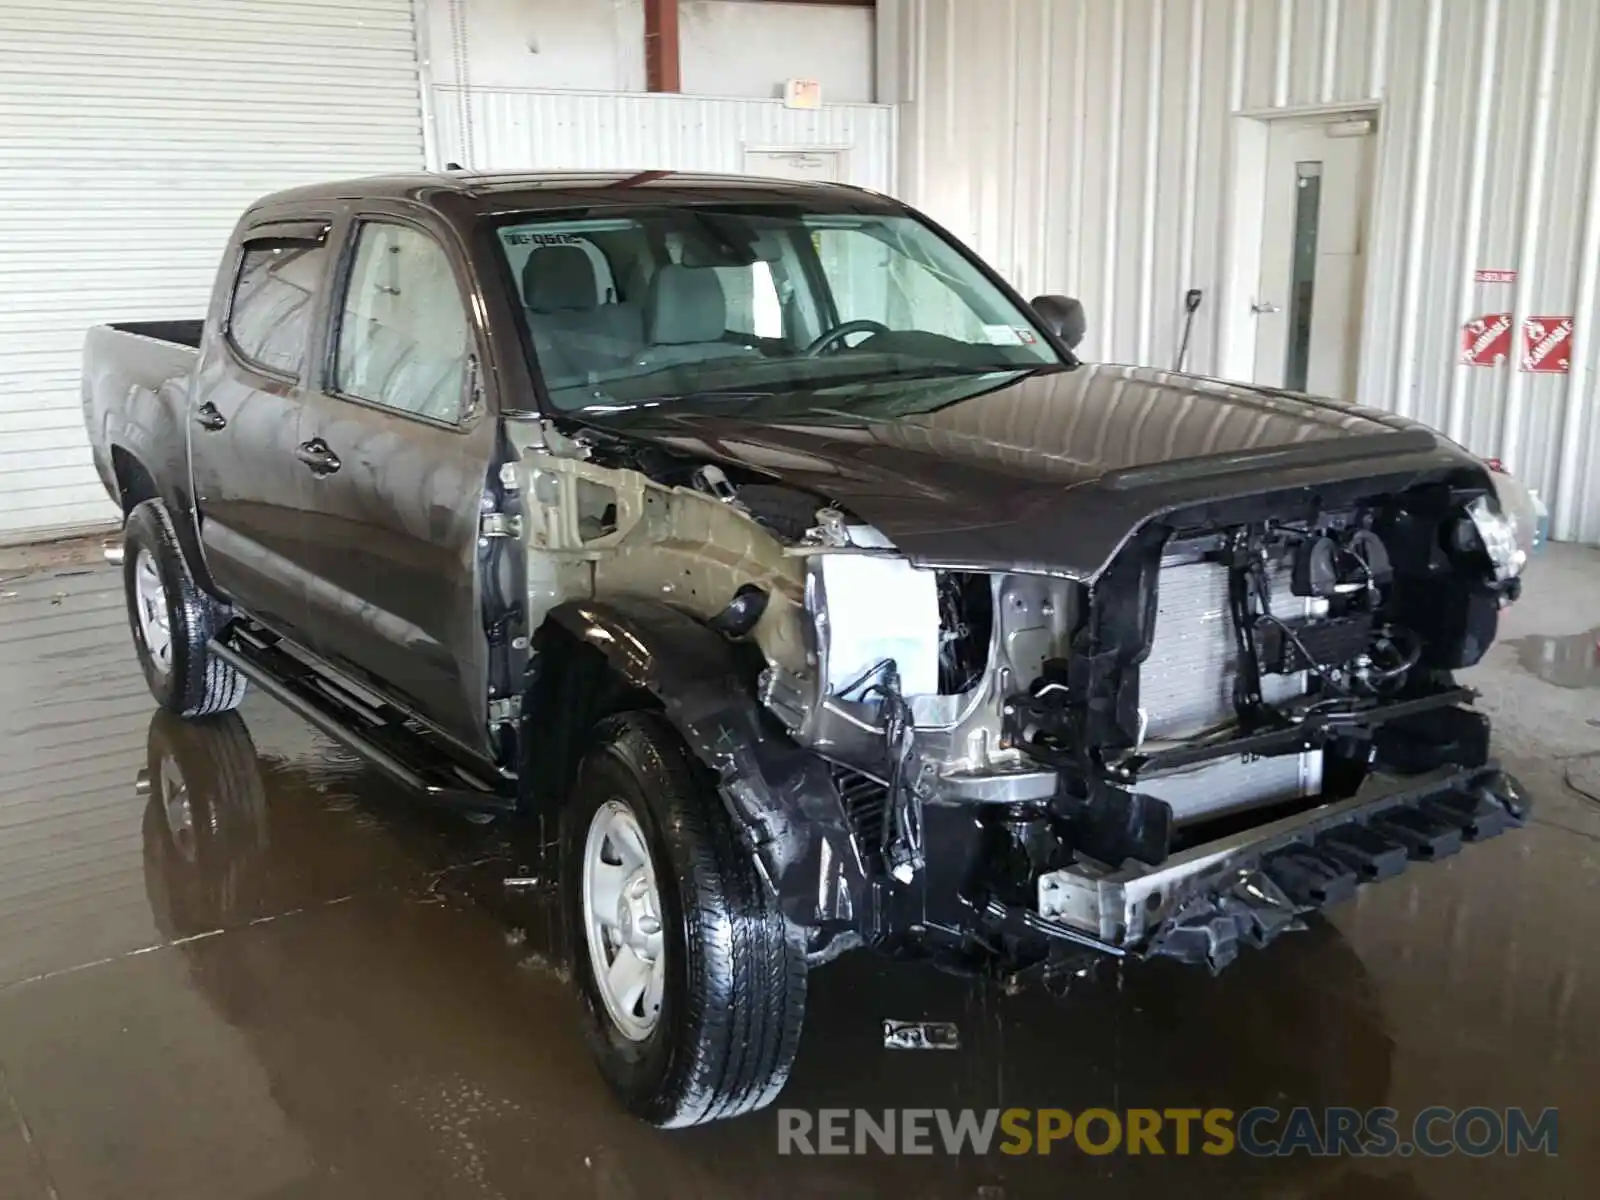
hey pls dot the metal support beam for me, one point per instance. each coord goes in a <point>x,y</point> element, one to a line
<point>661,70</point>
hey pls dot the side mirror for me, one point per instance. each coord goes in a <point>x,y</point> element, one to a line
<point>1062,316</point>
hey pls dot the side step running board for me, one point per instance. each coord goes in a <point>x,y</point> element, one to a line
<point>375,733</point>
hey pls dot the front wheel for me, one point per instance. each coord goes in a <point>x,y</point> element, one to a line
<point>173,620</point>
<point>692,982</point>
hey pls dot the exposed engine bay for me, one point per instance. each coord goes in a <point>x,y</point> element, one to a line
<point>1018,755</point>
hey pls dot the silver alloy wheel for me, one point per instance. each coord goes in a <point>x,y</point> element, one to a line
<point>622,917</point>
<point>150,601</point>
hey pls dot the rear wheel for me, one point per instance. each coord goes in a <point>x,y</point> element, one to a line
<point>692,983</point>
<point>173,620</point>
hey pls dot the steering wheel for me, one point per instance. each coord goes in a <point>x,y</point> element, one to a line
<point>839,332</point>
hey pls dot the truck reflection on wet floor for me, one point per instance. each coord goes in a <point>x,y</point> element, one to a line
<point>377,956</point>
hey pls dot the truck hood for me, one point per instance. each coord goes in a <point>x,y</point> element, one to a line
<point>1048,472</point>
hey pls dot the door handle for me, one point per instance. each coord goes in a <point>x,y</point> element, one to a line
<point>1262,307</point>
<point>316,455</point>
<point>207,417</point>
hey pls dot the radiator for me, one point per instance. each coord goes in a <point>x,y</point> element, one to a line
<point>1227,785</point>
<point>1186,689</point>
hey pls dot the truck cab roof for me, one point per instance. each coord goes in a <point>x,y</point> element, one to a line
<point>491,192</point>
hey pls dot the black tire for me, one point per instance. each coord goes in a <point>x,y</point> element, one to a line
<point>733,1000</point>
<point>195,682</point>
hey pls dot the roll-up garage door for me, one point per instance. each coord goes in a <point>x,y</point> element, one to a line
<point>132,134</point>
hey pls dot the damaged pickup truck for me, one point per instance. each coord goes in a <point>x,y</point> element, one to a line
<point>759,536</point>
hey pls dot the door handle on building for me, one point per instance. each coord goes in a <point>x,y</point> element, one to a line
<point>1262,307</point>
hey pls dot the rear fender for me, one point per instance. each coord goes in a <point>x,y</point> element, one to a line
<point>135,483</point>
<point>782,798</point>
<point>149,460</point>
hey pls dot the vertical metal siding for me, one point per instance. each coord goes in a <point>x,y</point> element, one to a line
<point>492,128</point>
<point>132,134</point>
<point>1085,146</point>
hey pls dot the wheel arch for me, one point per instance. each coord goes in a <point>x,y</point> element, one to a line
<point>596,658</point>
<point>136,482</point>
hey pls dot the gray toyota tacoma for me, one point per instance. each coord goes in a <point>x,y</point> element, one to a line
<point>760,539</point>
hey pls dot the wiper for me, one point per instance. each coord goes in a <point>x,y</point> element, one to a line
<point>719,394</point>
<point>936,371</point>
<point>745,395</point>
<point>724,395</point>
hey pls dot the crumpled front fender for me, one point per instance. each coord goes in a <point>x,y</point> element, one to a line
<point>782,798</point>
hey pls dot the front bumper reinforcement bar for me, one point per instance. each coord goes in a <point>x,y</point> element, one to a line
<point>1202,904</point>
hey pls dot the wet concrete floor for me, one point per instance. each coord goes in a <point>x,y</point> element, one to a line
<point>289,980</point>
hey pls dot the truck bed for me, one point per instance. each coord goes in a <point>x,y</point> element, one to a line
<point>182,333</point>
<point>135,393</point>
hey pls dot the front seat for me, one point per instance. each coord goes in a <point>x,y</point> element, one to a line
<point>573,332</point>
<point>686,317</point>
<point>558,279</point>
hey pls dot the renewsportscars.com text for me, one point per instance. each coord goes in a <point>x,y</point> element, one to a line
<point>1261,1132</point>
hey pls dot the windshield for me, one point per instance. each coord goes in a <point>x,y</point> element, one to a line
<point>643,305</point>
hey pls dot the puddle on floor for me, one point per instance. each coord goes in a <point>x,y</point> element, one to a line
<point>1569,662</point>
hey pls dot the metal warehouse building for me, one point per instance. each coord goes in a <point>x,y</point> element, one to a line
<point>1427,170</point>
<point>1127,152</point>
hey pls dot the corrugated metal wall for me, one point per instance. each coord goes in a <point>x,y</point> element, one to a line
<point>1086,146</point>
<point>132,135</point>
<point>507,128</point>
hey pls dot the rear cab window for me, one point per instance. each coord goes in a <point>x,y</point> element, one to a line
<point>274,295</point>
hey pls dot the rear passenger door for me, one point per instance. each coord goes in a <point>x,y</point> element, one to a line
<point>394,446</point>
<point>244,412</point>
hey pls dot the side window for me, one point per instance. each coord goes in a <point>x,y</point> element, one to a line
<point>273,298</point>
<point>402,329</point>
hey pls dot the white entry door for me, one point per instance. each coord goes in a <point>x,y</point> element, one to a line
<point>1308,305</point>
<point>822,166</point>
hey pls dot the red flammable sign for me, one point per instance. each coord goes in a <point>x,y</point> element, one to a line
<point>1486,340</point>
<point>1547,344</point>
